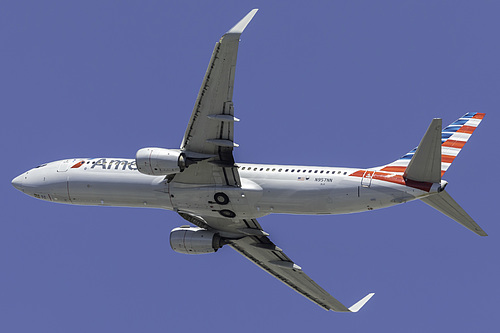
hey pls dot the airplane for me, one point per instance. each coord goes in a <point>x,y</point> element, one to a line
<point>203,184</point>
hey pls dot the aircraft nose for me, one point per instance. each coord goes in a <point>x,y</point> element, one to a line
<point>18,182</point>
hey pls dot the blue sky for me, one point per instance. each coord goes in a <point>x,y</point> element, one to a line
<point>338,83</point>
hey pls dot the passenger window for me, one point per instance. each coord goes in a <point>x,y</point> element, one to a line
<point>292,170</point>
<point>328,171</point>
<point>286,170</point>
<point>254,169</point>
<point>267,169</point>
<point>321,171</point>
<point>279,170</point>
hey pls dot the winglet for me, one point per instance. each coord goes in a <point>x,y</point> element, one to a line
<point>241,25</point>
<point>356,307</point>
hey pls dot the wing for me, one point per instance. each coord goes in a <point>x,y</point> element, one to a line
<point>210,130</point>
<point>265,254</point>
<point>254,244</point>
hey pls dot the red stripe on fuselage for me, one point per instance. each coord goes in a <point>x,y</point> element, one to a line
<point>392,178</point>
<point>77,165</point>
<point>394,169</point>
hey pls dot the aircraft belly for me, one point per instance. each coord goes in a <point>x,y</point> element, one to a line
<point>341,196</point>
<point>190,198</point>
<point>293,197</point>
<point>295,202</point>
<point>379,194</point>
<point>200,200</point>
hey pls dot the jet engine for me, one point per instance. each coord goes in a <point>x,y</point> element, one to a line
<point>193,240</point>
<point>160,161</point>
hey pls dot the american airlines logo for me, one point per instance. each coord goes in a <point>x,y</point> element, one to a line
<point>104,164</point>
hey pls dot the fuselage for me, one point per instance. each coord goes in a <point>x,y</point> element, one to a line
<point>264,189</point>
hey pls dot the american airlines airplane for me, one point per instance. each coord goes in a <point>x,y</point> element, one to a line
<point>223,199</point>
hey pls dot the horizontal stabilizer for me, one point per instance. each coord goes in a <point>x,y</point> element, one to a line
<point>445,204</point>
<point>356,307</point>
<point>425,165</point>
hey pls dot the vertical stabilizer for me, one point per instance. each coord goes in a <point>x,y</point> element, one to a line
<point>453,139</point>
<point>425,165</point>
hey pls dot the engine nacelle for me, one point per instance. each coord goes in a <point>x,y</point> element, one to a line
<point>192,240</point>
<point>160,161</point>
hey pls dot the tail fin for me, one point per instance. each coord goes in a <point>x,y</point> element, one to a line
<point>430,160</point>
<point>425,165</point>
<point>453,139</point>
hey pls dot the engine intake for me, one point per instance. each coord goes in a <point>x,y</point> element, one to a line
<point>192,240</point>
<point>160,161</point>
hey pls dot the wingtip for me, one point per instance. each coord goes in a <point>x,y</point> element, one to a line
<point>242,24</point>
<point>356,307</point>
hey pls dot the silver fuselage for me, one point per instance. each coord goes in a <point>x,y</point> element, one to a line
<point>264,189</point>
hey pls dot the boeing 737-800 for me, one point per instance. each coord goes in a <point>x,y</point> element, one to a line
<point>223,199</point>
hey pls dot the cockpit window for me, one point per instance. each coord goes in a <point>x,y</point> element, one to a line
<point>41,166</point>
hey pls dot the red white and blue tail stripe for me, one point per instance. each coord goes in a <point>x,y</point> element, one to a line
<point>453,138</point>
